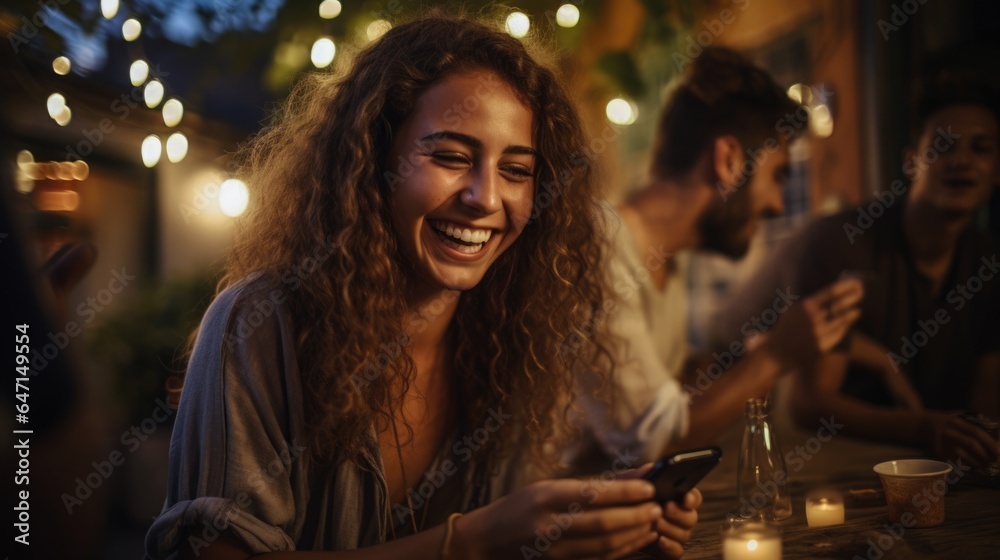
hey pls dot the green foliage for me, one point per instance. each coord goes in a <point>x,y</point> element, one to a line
<point>143,343</point>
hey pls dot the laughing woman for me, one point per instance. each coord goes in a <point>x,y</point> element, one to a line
<point>384,353</point>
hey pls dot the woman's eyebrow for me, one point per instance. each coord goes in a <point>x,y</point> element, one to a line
<point>474,142</point>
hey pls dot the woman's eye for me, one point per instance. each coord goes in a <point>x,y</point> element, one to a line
<point>451,159</point>
<point>518,172</point>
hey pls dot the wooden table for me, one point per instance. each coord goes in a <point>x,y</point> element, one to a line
<point>972,519</point>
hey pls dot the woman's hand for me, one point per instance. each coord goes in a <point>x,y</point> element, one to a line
<point>567,519</point>
<point>674,528</point>
<point>677,523</point>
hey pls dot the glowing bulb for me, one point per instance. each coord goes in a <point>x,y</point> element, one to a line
<point>233,197</point>
<point>80,170</point>
<point>151,149</point>
<point>567,15</point>
<point>55,104</point>
<point>138,72</point>
<point>61,65</point>
<point>378,28</point>
<point>518,24</point>
<point>25,159</point>
<point>620,111</point>
<point>177,147</point>
<point>752,544</point>
<point>109,8</point>
<point>329,9</point>
<point>64,116</point>
<point>153,93</point>
<point>795,93</point>
<point>323,51</point>
<point>173,110</point>
<point>821,121</point>
<point>131,29</point>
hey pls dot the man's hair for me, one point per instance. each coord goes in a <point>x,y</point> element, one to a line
<point>947,89</point>
<point>721,94</point>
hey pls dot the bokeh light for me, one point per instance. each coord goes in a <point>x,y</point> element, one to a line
<point>138,72</point>
<point>518,24</point>
<point>323,51</point>
<point>153,93</point>
<point>55,104</point>
<point>329,9</point>
<point>567,15</point>
<point>151,150</point>
<point>377,29</point>
<point>177,147</point>
<point>233,197</point>
<point>61,65</point>
<point>131,29</point>
<point>621,111</point>
<point>109,8</point>
<point>173,110</point>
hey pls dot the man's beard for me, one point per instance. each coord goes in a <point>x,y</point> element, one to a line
<point>723,226</point>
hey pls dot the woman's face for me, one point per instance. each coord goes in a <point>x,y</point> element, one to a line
<point>461,170</point>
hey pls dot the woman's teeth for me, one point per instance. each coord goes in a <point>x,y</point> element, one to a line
<point>467,235</point>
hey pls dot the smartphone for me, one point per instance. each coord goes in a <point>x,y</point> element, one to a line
<point>678,474</point>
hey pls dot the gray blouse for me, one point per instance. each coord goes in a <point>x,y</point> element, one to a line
<point>238,459</point>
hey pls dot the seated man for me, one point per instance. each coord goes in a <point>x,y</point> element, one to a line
<point>719,164</point>
<point>929,323</point>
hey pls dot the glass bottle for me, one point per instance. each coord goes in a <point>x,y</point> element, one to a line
<point>761,478</point>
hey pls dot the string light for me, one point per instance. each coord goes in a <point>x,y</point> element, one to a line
<point>55,104</point>
<point>173,110</point>
<point>131,29</point>
<point>138,72</point>
<point>621,111</point>
<point>61,65</point>
<point>323,51</point>
<point>64,116</point>
<point>151,150</point>
<point>518,24</point>
<point>109,8</point>
<point>153,93</point>
<point>177,147</point>
<point>567,15</point>
<point>329,9</point>
<point>233,197</point>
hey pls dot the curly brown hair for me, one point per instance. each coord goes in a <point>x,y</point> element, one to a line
<point>316,182</point>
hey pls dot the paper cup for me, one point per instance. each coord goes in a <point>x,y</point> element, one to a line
<point>914,490</point>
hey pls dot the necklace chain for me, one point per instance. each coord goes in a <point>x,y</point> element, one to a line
<point>406,485</point>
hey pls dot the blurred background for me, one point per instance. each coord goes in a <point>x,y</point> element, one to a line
<point>120,118</point>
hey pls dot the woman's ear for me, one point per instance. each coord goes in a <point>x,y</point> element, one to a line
<point>727,160</point>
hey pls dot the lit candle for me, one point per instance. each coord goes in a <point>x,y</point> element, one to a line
<point>752,541</point>
<point>824,508</point>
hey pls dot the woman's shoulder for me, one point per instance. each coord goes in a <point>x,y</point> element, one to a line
<point>255,302</point>
<point>245,347</point>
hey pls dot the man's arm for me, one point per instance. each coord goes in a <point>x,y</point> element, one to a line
<point>817,396</point>
<point>716,403</point>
